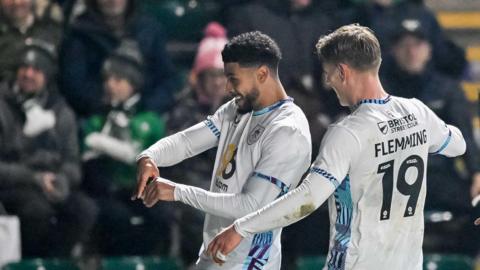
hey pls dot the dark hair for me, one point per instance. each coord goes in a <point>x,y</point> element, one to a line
<point>352,44</point>
<point>252,49</point>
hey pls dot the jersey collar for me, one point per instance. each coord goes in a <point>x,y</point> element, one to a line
<point>272,107</point>
<point>373,101</point>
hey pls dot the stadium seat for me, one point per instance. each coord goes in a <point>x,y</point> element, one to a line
<point>42,264</point>
<point>311,262</point>
<point>140,263</point>
<point>447,262</point>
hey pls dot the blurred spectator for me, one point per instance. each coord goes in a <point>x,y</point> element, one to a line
<point>296,26</point>
<point>69,9</point>
<point>39,164</point>
<point>381,16</point>
<point>205,93</point>
<point>19,20</point>
<point>410,74</point>
<point>327,6</point>
<point>206,90</point>
<point>95,35</point>
<point>49,10</point>
<point>112,141</point>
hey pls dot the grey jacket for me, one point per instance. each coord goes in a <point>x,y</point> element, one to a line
<point>54,150</point>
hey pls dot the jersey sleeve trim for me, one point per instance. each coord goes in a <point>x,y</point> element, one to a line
<point>327,175</point>
<point>212,127</point>
<point>281,185</point>
<point>445,144</point>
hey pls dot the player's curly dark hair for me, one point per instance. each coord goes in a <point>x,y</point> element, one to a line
<point>252,49</point>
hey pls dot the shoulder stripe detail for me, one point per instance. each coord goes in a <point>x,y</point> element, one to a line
<point>212,127</point>
<point>327,175</point>
<point>281,185</point>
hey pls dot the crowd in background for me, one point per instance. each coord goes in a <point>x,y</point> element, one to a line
<point>86,85</point>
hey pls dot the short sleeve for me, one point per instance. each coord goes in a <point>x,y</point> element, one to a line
<point>439,132</point>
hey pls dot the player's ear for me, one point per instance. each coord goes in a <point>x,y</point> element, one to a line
<point>262,73</point>
<point>342,71</point>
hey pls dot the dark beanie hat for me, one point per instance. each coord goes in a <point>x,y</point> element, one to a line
<point>410,25</point>
<point>126,62</point>
<point>39,54</point>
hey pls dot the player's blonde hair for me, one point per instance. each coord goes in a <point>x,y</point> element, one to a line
<point>354,45</point>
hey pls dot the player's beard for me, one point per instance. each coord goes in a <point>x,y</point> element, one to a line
<point>248,102</point>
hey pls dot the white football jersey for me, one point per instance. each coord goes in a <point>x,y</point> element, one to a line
<point>376,158</point>
<point>371,168</point>
<point>271,146</point>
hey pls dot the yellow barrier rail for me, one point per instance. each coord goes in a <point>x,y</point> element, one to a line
<point>459,19</point>
<point>471,90</point>
<point>473,53</point>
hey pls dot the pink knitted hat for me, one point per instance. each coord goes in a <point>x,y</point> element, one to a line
<point>209,53</point>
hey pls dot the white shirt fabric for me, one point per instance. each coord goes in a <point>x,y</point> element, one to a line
<point>260,156</point>
<point>374,163</point>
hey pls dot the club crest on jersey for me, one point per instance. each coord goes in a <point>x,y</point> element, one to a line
<point>383,126</point>
<point>255,134</point>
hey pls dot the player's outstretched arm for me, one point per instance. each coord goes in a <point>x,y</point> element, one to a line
<point>189,142</point>
<point>219,204</point>
<point>284,211</point>
<point>257,193</point>
<point>171,150</point>
<point>179,146</point>
<point>292,207</point>
<point>273,174</point>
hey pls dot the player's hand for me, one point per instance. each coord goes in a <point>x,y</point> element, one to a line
<point>224,243</point>
<point>159,190</point>
<point>475,192</point>
<point>475,189</point>
<point>146,169</point>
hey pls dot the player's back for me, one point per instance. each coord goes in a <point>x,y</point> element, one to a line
<point>377,211</point>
